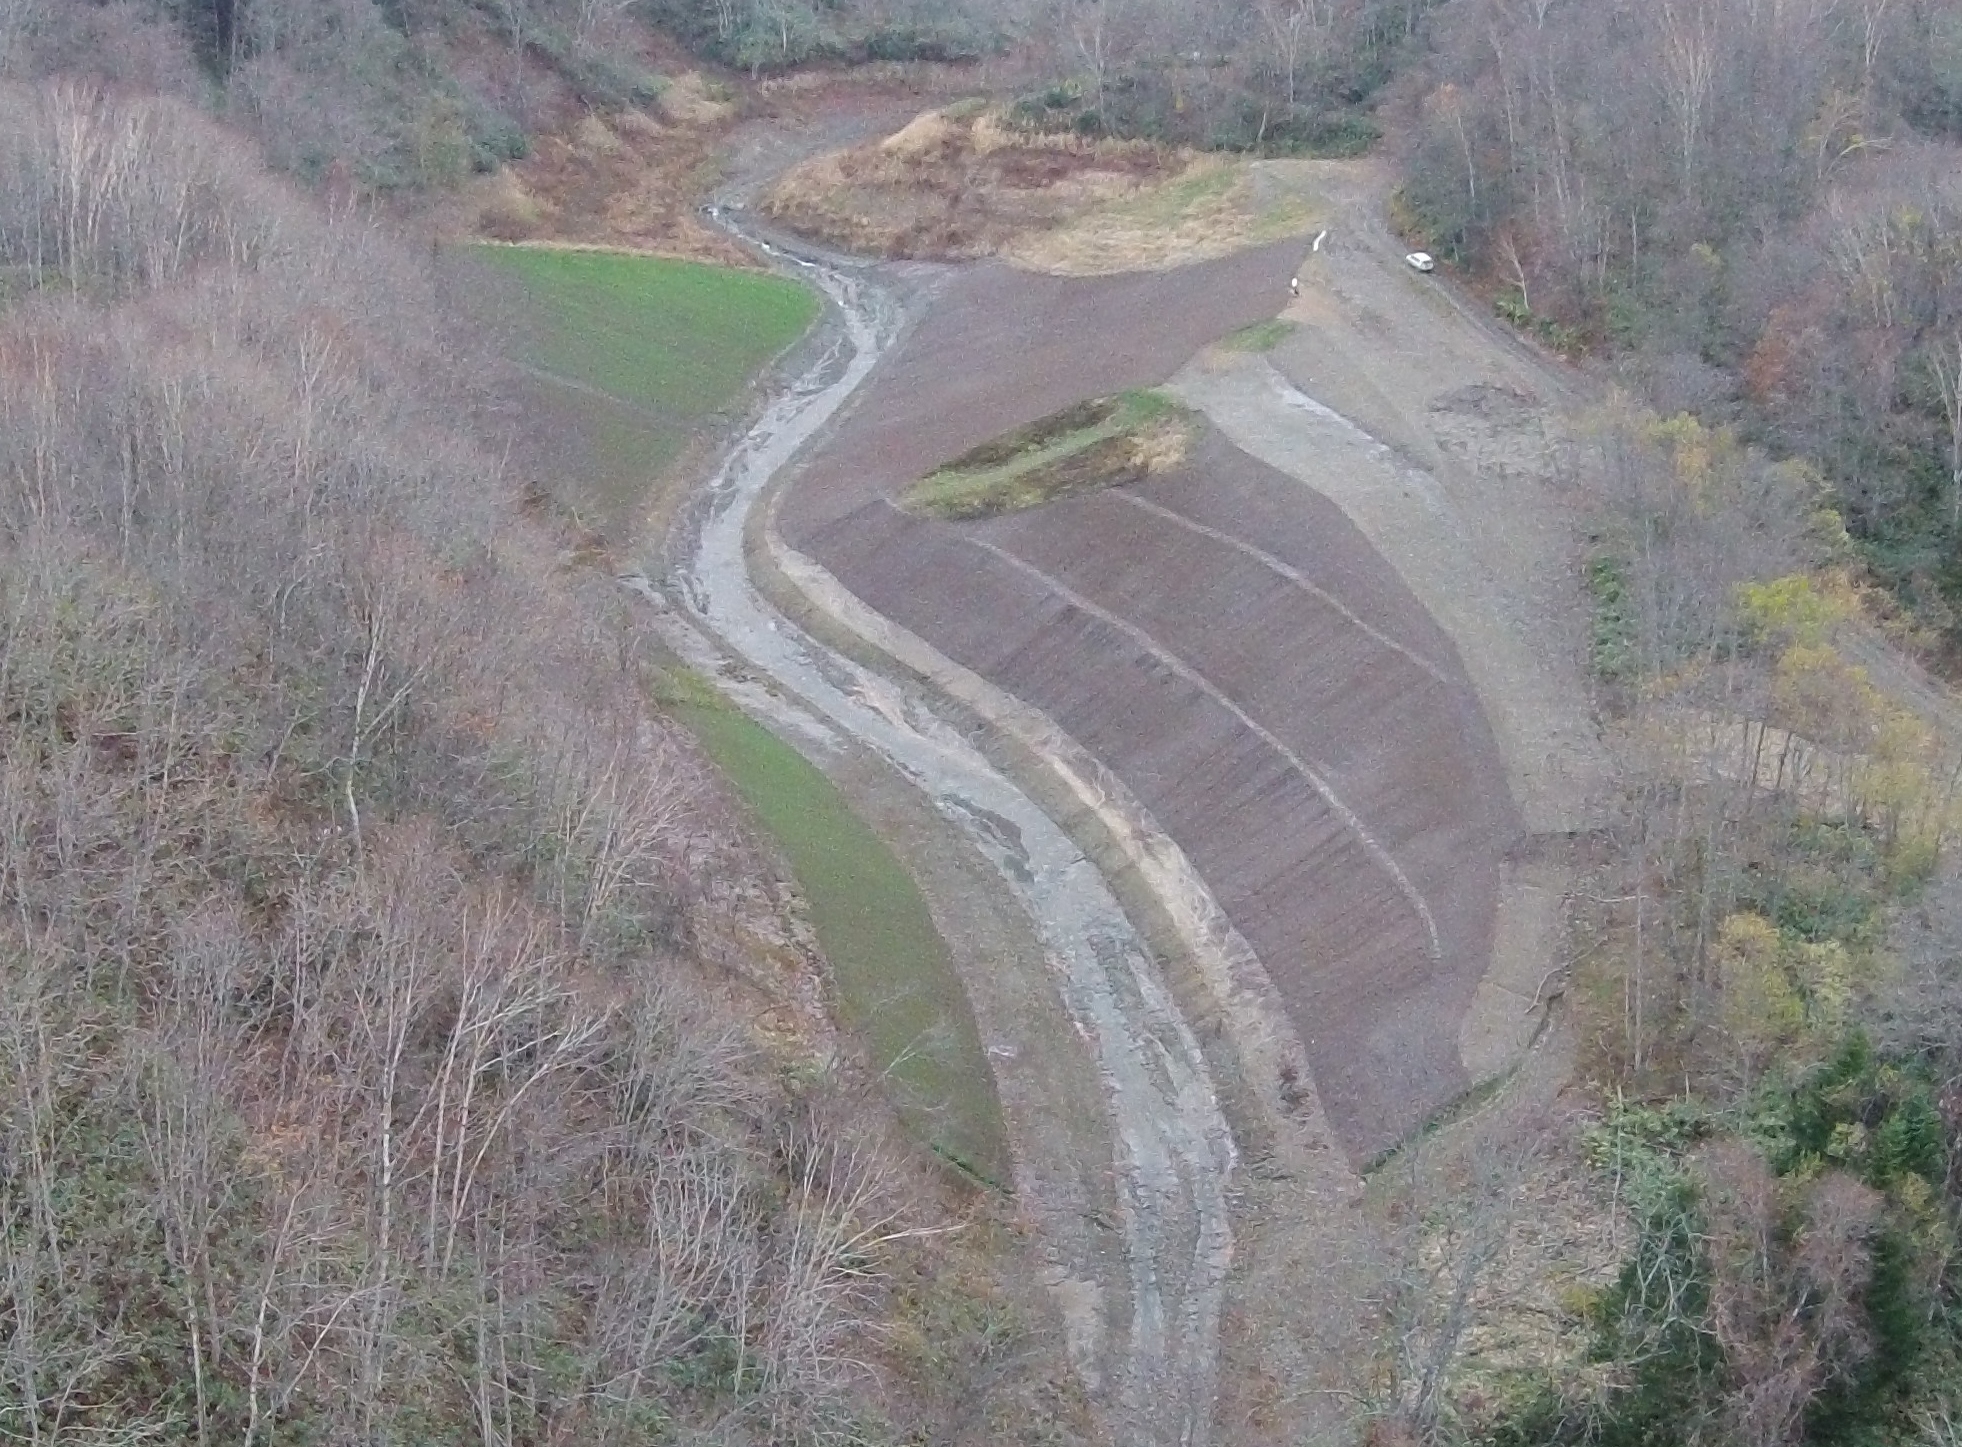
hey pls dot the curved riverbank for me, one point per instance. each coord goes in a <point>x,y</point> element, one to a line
<point>1153,1353</point>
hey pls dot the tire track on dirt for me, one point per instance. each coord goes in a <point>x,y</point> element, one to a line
<point>1315,777</point>
<point>1174,1155</point>
<point>1294,575</point>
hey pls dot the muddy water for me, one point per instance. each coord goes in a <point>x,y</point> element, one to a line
<point>1173,1153</point>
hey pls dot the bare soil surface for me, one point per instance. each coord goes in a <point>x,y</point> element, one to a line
<point>998,347</point>
<point>1320,686</point>
<point>1225,641</point>
<point>1336,660</point>
<point>1440,435</point>
<point>1339,791</point>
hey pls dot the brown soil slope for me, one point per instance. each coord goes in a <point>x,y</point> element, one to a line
<point>1223,639</point>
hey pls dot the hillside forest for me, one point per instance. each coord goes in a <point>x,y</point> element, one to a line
<point>377,961</point>
<point>379,969</point>
<point>1754,206</point>
<point>342,1030</point>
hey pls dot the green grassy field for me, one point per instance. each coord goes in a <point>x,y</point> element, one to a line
<point>671,336</point>
<point>895,984</point>
<point>643,352</point>
<point>639,352</point>
<point>1104,442</point>
<point>1260,337</point>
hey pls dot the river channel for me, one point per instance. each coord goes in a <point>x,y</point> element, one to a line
<point>1173,1152</point>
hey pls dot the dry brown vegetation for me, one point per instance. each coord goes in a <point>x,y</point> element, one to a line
<point>957,183</point>
<point>372,961</point>
<point>1211,209</point>
<point>631,179</point>
<point>965,182</point>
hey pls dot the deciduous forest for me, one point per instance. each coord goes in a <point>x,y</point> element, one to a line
<point>344,1042</point>
<point>377,971</point>
<point>379,963</point>
<point>1753,205</point>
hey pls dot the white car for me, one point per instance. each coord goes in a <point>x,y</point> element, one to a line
<point>1421,260</point>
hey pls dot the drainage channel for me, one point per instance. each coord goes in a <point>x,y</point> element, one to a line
<point>1173,1152</point>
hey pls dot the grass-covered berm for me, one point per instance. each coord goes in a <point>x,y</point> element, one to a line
<point>1104,442</point>
<point>376,980</point>
<point>894,982</point>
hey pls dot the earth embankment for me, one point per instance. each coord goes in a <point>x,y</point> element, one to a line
<point>999,347</point>
<point>1225,640</point>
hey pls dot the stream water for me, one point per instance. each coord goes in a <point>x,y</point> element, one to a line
<point>1173,1152</point>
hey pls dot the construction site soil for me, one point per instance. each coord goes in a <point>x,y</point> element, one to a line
<point>1223,638</point>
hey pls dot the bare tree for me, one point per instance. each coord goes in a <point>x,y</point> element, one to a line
<point>1789,1321</point>
<point>594,17</point>
<point>1289,24</point>
<point>1096,30</point>
<point>1459,1203</point>
<point>336,880</point>
<point>183,1108</point>
<point>1688,30</point>
<point>1944,354</point>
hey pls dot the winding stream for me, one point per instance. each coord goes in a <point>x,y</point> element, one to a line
<point>1173,1152</point>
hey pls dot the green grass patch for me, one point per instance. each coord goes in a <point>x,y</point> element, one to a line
<point>1612,644</point>
<point>1261,336</point>
<point>1104,442</point>
<point>895,983</point>
<point>616,453</point>
<point>646,350</point>
<point>1203,186</point>
<point>677,337</point>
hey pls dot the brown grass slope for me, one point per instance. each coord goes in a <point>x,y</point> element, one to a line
<point>958,183</point>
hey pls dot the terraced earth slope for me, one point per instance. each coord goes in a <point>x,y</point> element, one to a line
<point>1224,639</point>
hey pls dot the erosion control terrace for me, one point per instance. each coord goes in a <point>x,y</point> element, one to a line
<point>1223,638</point>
